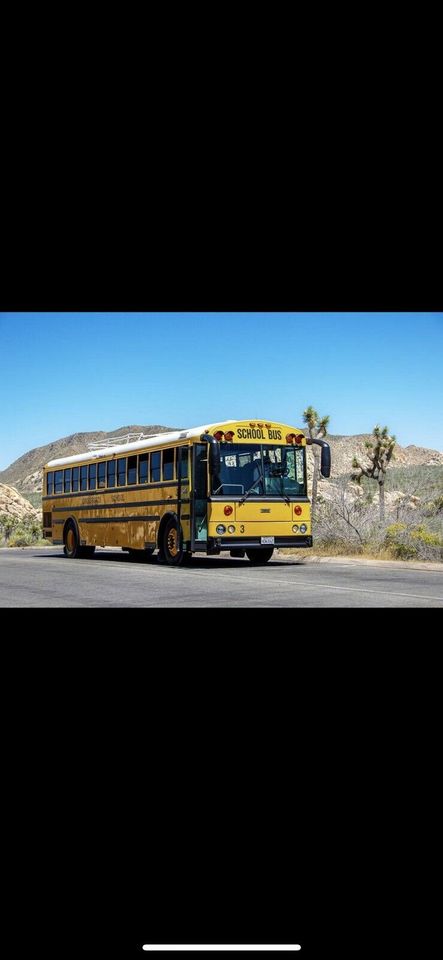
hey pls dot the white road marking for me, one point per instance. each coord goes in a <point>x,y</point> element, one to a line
<point>303,583</point>
<point>131,573</point>
<point>222,947</point>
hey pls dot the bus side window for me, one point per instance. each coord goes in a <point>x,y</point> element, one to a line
<point>168,464</point>
<point>92,476</point>
<point>75,477</point>
<point>183,452</point>
<point>143,468</point>
<point>101,475</point>
<point>111,473</point>
<point>121,472</point>
<point>83,478</point>
<point>68,474</point>
<point>155,466</point>
<point>58,486</point>
<point>132,470</point>
<point>50,483</point>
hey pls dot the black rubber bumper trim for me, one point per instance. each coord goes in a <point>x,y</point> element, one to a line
<point>230,543</point>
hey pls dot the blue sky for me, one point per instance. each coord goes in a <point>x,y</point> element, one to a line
<point>63,373</point>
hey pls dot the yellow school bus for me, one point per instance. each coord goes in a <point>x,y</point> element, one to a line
<point>237,486</point>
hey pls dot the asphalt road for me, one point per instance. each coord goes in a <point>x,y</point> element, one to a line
<point>43,577</point>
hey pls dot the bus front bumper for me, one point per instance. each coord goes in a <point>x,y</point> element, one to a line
<point>216,544</point>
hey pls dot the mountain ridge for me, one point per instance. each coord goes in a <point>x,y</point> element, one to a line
<point>25,472</point>
<point>21,473</point>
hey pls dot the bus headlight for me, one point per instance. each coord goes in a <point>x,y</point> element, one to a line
<point>295,528</point>
<point>231,529</point>
<point>220,528</point>
<point>303,528</point>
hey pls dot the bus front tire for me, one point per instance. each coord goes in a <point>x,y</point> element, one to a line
<point>259,557</point>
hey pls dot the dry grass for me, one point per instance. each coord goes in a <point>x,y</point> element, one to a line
<point>343,550</point>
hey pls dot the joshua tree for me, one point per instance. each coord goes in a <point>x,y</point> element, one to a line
<point>380,452</point>
<point>317,427</point>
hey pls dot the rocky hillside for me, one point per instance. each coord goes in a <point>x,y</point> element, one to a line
<point>344,448</point>
<point>25,473</point>
<point>13,504</point>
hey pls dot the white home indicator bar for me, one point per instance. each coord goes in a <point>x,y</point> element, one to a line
<point>222,947</point>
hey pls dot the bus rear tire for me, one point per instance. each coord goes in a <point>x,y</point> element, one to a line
<point>171,550</point>
<point>259,557</point>
<point>71,548</point>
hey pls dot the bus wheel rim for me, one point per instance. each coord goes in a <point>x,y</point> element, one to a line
<point>70,540</point>
<point>172,542</point>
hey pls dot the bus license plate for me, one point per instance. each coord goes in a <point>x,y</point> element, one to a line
<point>266,539</point>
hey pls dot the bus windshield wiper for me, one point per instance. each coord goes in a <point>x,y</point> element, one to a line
<point>278,472</point>
<point>284,495</point>
<point>256,482</point>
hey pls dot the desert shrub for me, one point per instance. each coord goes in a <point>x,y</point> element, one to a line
<point>7,525</point>
<point>15,532</point>
<point>21,537</point>
<point>413,542</point>
<point>426,536</point>
<point>404,551</point>
<point>345,519</point>
<point>394,530</point>
<point>434,507</point>
<point>348,524</point>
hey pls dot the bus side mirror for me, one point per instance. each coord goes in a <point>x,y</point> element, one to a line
<point>214,453</point>
<point>325,464</point>
<point>214,459</point>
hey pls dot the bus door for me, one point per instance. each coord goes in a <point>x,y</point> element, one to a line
<point>199,499</point>
<point>183,492</point>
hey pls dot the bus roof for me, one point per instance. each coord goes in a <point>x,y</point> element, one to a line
<point>154,441</point>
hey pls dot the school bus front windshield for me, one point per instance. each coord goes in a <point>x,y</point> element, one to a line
<point>260,470</point>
